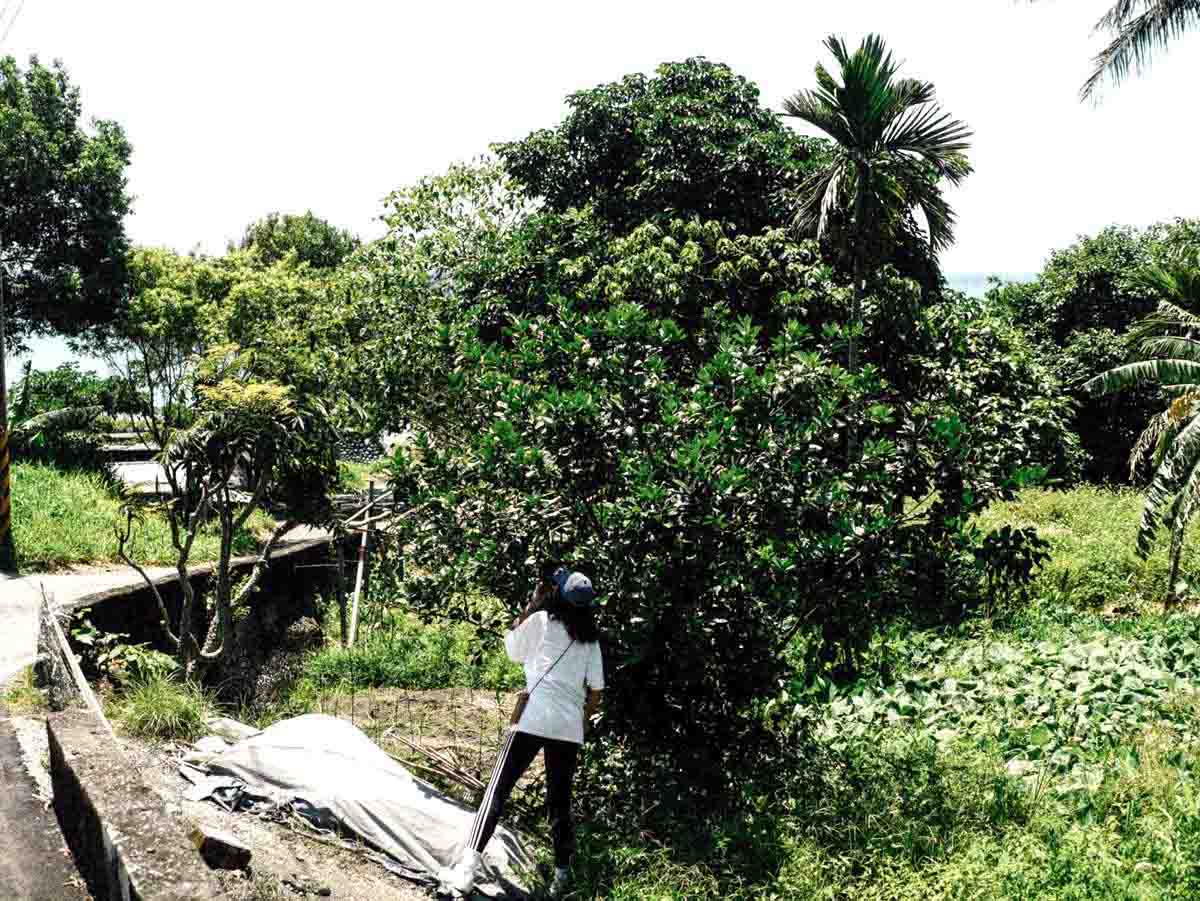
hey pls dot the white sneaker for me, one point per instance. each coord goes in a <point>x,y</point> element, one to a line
<point>460,879</point>
<point>558,885</point>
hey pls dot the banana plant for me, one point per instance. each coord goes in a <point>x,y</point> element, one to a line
<point>1168,354</point>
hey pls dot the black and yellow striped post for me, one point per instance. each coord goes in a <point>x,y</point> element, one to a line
<point>7,549</point>
<point>8,552</point>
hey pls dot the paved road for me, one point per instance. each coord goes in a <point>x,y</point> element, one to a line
<point>19,599</point>
<point>34,862</point>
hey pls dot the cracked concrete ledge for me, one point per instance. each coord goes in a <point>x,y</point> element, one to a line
<point>128,843</point>
<point>198,573</point>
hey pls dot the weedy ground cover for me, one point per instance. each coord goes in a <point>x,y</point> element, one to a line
<point>1092,533</point>
<point>1052,751</point>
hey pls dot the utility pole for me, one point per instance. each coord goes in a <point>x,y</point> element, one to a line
<point>8,551</point>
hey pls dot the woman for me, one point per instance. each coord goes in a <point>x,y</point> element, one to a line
<point>557,641</point>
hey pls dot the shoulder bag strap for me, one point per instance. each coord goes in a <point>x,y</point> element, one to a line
<point>552,665</point>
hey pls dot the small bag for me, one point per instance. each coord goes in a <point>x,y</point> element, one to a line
<point>523,697</point>
<point>519,707</point>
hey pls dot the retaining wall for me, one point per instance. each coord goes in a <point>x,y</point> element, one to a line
<point>287,592</point>
<point>128,843</point>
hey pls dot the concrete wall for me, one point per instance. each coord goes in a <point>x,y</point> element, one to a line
<point>128,844</point>
<point>296,576</point>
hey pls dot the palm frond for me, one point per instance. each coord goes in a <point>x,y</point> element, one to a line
<point>1118,14</point>
<point>1176,468</point>
<point>1171,346</point>
<point>939,218</point>
<point>1154,438</point>
<point>1170,371</point>
<point>1167,318</point>
<point>928,132</point>
<point>1185,511</point>
<point>820,194</point>
<point>817,110</point>
<point>865,92</point>
<point>1138,37</point>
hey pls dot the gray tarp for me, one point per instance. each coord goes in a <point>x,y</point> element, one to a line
<point>331,771</point>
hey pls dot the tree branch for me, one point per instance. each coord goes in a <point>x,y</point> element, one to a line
<point>255,499</point>
<point>122,539</point>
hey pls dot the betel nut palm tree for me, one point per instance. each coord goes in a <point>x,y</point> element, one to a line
<point>1168,351</point>
<point>892,146</point>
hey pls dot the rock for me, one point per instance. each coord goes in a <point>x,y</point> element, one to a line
<point>211,744</point>
<point>220,850</point>
<point>231,730</point>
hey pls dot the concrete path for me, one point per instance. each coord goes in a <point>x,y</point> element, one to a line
<point>35,864</point>
<point>20,597</point>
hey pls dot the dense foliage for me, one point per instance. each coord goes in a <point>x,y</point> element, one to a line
<point>313,240</point>
<point>651,382</point>
<point>1078,313</point>
<point>57,414</point>
<point>694,140</point>
<point>62,237</point>
<point>67,386</point>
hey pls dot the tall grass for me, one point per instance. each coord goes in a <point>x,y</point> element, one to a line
<point>1092,533</point>
<point>159,708</point>
<point>66,518</point>
<point>401,652</point>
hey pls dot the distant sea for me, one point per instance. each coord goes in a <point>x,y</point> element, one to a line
<point>975,284</point>
<point>47,353</point>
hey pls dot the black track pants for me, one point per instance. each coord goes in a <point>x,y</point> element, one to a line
<point>516,754</point>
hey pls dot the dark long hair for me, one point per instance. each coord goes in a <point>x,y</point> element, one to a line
<point>580,622</point>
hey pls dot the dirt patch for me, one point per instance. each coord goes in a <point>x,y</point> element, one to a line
<point>462,726</point>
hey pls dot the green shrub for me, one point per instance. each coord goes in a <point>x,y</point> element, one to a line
<point>163,709</point>
<point>407,654</point>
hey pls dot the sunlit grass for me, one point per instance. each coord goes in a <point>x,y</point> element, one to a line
<point>62,519</point>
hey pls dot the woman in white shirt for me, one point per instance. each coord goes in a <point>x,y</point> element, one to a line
<point>557,641</point>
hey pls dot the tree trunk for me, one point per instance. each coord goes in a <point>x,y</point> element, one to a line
<point>860,267</point>
<point>860,277</point>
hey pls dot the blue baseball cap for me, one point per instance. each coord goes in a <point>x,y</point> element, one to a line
<point>576,588</point>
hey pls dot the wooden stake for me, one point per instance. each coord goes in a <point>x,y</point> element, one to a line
<point>340,588</point>
<point>358,580</point>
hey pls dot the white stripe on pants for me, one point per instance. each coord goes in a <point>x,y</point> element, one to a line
<point>486,804</point>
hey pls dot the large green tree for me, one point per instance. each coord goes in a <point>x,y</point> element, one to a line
<point>892,144</point>
<point>652,384</point>
<point>63,202</point>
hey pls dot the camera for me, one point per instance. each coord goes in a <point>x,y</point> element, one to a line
<point>550,572</point>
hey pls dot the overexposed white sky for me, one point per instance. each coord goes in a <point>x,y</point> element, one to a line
<point>236,109</point>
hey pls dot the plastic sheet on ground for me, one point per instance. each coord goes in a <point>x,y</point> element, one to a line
<point>328,771</point>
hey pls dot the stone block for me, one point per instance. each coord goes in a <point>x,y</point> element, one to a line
<point>220,850</point>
